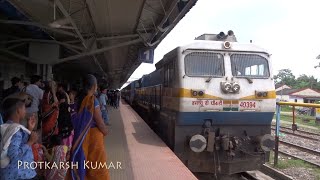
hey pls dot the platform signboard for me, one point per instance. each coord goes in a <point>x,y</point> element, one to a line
<point>146,55</point>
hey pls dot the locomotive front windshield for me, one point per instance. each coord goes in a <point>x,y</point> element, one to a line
<point>249,65</point>
<point>204,64</point>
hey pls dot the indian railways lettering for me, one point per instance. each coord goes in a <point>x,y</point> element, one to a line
<point>207,103</point>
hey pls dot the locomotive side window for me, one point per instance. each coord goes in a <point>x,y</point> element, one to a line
<point>204,64</point>
<point>169,74</point>
<point>249,65</point>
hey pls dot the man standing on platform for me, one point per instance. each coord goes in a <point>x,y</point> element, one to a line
<point>103,98</point>
<point>34,90</point>
<point>15,88</point>
<point>118,96</point>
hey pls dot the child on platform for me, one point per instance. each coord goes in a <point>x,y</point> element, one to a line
<point>16,141</point>
<point>58,154</point>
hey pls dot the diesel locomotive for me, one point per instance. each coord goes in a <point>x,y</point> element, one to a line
<point>212,101</point>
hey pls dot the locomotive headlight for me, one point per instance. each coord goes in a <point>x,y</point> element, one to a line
<point>227,45</point>
<point>227,87</point>
<point>198,143</point>
<point>235,87</point>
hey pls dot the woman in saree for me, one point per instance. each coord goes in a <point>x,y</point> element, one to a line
<point>50,113</point>
<point>89,132</point>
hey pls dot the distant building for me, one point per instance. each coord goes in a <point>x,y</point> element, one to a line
<point>281,86</point>
<point>304,95</point>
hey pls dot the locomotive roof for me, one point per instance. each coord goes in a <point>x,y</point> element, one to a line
<point>218,45</point>
<point>212,45</point>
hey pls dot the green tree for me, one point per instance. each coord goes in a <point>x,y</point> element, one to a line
<point>304,81</point>
<point>286,77</point>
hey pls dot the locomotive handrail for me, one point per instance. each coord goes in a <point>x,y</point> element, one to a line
<point>294,126</point>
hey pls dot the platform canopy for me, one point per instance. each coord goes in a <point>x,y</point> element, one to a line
<point>104,37</point>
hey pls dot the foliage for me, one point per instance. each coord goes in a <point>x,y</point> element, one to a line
<point>285,76</point>
<point>286,108</point>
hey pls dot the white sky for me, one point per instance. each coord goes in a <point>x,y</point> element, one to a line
<point>289,30</point>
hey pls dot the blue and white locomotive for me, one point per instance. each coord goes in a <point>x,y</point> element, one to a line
<point>212,102</point>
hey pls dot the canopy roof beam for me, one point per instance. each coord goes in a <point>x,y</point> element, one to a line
<point>17,55</point>
<point>66,14</point>
<point>70,46</point>
<point>97,51</point>
<point>27,23</point>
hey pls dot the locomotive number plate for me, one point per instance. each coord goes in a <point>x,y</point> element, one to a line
<point>248,105</point>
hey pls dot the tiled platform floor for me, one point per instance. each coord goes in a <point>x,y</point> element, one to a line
<point>142,154</point>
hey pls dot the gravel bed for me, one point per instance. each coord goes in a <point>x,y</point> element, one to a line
<point>311,144</point>
<point>302,133</point>
<point>299,173</point>
<point>300,128</point>
<point>303,155</point>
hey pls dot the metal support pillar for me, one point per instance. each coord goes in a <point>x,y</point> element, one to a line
<point>294,125</point>
<point>276,151</point>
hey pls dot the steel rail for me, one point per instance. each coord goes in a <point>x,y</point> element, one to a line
<point>298,135</point>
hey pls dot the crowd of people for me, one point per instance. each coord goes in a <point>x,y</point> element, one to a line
<point>46,122</point>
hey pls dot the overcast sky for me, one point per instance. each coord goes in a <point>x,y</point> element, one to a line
<point>289,30</point>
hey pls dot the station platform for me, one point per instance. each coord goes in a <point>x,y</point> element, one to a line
<point>141,154</point>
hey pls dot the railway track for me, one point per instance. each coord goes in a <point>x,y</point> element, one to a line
<point>301,131</point>
<point>299,152</point>
<point>248,175</point>
<point>311,151</point>
<point>299,135</point>
<point>296,157</point>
